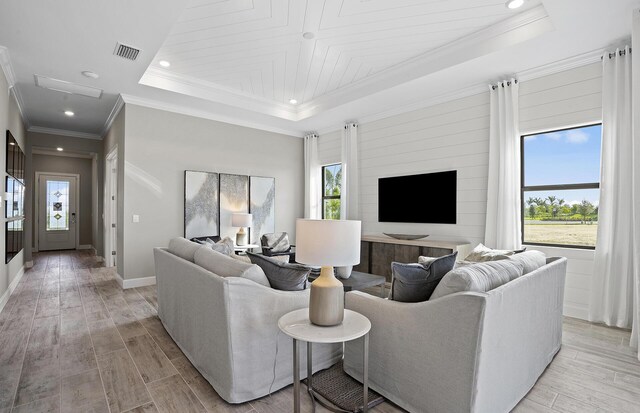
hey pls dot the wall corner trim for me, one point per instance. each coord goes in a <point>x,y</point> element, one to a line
<point>5,297</point>
<point>125,284</point>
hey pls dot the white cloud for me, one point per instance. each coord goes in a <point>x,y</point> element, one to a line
<point>553,135</point>
<point>576,136</point>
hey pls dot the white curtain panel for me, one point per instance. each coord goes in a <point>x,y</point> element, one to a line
<point>635,39</point>
<point>312,178</point>
<point>617,256</point>
<point>350,195</point>
<point>502,229</point>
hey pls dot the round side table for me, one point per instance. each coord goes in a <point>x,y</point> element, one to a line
<point>296,325</point>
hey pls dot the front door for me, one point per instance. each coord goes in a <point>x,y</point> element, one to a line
<point>57,215</point>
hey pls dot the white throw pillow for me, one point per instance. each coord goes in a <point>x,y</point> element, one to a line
<point>531,260</point>
<point>225,266</point>
<point>481,277</point>
<point>482,254</point>
<point>224,246</point>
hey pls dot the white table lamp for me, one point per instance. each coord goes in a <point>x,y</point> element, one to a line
<point>327,243</point>
<point>242,220</point>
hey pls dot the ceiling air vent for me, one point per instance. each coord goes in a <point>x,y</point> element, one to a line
<point>127,52</point>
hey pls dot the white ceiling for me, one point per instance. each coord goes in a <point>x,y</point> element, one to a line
<point>242,60</point>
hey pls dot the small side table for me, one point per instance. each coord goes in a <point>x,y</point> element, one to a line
<point>296,325</point>
<point>243,248</point>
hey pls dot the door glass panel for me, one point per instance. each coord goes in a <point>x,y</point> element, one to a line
<point>57,205</point>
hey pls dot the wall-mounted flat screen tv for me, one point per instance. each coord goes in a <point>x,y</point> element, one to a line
<point>425,198</point>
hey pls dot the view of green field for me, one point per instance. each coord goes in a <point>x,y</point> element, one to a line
<point>565,233</point>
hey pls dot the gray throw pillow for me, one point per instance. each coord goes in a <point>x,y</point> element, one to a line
<point>412,283</point>
<point>225,266</point>
<point>282,276</point>
<point>277,241</point>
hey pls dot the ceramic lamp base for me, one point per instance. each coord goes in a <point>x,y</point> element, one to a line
<point>241,237</point>
<point>326,304</point>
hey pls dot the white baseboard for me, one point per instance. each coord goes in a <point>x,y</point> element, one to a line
<point>5,297</point>
<point>135,282</point>
<point>28,264</point>
<point>576,311</point>
<point>85,247</point>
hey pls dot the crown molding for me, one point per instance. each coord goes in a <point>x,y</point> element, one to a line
<point>63,132</point>
<point>189,111</point>
<point>522,76</point>
<point>64,154</point>
<point>10,75</point>
<point>190,86</point>
<point>117,107</point>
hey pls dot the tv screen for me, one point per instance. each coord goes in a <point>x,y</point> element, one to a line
<point>425,198</point>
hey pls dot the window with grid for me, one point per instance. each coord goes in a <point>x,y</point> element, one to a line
<point>561,187</point>
<point>331,187</point>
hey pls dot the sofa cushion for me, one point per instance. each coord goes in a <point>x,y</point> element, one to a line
<point>281,275</point>
<point>481,277</point>
<point>531,260</point>
<point>413,283</point>
<point>183,248</point>
<point>223,246</point>
<point>225,266</point>
<point>482,253</point>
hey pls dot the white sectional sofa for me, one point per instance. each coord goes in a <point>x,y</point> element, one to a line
<point>466,352</point>
<point>227,326</point>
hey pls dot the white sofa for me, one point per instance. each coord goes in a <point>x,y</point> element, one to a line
<point>227,327</point>
<point>475,352</point>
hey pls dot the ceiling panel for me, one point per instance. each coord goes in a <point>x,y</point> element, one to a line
<point>257,47</point>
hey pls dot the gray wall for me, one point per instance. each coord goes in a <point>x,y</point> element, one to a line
<point>9,119</point>
<point>115,139</point>
<point>70,144</point>
<point>160,146</point>
<point>80,166</point>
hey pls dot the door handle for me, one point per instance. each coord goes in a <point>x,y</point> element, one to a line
<point>73,217</point>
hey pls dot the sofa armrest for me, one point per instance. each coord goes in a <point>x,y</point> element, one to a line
<point>421,355</point>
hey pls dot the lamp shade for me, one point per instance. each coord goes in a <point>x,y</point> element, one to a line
<point>328,242</point>
<point>239,219</point>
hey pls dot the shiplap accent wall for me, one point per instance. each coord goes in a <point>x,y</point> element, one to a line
<point>455,135</point>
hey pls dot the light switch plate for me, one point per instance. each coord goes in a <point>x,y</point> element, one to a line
<point>136,218</point>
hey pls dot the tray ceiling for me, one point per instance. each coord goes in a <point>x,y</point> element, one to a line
<point>256,49</point>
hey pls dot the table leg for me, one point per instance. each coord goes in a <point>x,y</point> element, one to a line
<point>309,366</point>
<point>365,378</point>
<point>296,377</point>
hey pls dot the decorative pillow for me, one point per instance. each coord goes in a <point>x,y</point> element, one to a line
<point>426,260</point>
<point>413,283</point>
<point>482,254</point>
<point>531,260</point>
<point>183,248</point>
<point>224,246</point>
<point>277,241</point>
<point>282,276</point>
<point>481,277</point>
<point>225,266</point>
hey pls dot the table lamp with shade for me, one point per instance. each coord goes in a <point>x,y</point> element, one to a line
<point>242,220</point>
<point>327,243</point>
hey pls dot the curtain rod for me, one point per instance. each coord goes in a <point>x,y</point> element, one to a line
<point>494,87</point>
<point>621,53</point>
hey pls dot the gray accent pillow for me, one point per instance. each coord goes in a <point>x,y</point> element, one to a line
<point>277,241</point>
<point>480,277</point>
<point>183,248</point>
<point>282,276</point>
<point>412,283</point>
<point>225,266</point>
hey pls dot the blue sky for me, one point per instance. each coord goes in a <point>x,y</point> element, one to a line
<point>565,157</point>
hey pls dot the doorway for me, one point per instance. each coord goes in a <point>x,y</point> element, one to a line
<point>57,211</point>
<point>111,208</point>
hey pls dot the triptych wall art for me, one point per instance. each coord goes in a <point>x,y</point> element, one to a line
<point>210,198</point>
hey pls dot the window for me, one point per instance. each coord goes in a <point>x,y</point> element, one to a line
<point>561,187</point>
<point>331,185</point>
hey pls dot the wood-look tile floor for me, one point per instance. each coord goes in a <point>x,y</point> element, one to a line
<point>71,340</point>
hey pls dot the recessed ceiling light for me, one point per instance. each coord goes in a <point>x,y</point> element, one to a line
<point>69,113</point>
<point>59,149</point>
<point>308,35</point>
<point>92,75</point>
<point>514,4</point>
<point>164,63</point>
<point>293,101</point>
